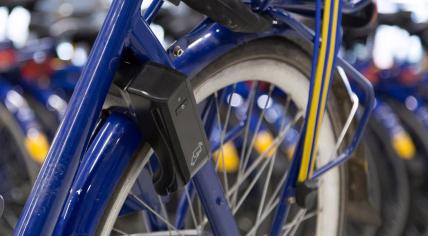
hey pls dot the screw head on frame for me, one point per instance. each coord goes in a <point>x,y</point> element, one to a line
<point>178,51</point>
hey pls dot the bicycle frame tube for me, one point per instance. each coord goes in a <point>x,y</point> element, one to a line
<point>54,181</point>
<point>309,5</point>
<point>119,137</point>
<point>123,28</point>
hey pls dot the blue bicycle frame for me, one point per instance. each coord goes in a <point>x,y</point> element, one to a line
<point>80,172</point>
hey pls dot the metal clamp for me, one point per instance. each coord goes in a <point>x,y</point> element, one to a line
<point>162,102</point>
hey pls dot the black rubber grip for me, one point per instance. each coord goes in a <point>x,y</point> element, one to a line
<point>360,18</point>
<point>233,14</point>
<point>402,19</point>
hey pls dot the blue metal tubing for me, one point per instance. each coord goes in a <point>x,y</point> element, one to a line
<point>349,6</point>
<point>54,181</point>
<point>142,41</point>
<point>314,63</point>
<point>357,78</point>
<point>152,10</point>
<point>288,191</point>
<point>283,209</point>
<point>214,202</point>
<point>208,41</point>
<point>184,204</point>
<point>338,43</point>
<point>98,175</point>
<point>124,27</point>
<point>367,89</point>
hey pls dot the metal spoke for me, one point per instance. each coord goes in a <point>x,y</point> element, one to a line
<point>266,185</point>
<point>163,209</point>
<point>272,161</point>
<point>260,158</point>
<point>166,221</point>
<point>249,188</point>
<point>271,205</point>
<point>223,132</point>
<point>293,226</point>
<point>192,212</point>
<point>253,139</point>
<point>249,109</point>
<point>226,184</point>
<point>262,218</point>
<point>200,213</point>
<point>254,167</point>
<point>207,109</point>
<point>303,218</point>
<point>119,231</point>
<point>277,189</point>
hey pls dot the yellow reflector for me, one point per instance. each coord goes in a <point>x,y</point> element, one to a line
<point>37,145</point>
<point>227,158</point>
<point>264,140</point>
<point>403,145</point>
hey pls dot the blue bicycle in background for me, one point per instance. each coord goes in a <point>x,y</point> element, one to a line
<point>397,131</point>
<point>187,140</point>
<point>33,99</point>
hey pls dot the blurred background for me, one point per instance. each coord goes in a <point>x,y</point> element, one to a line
<point>45,43</point>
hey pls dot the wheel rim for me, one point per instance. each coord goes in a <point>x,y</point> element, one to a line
<point>293,84</point>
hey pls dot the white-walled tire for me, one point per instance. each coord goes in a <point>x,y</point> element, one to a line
<point>287,66</point>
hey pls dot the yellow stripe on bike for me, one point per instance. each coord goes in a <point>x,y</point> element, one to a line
<point>328,77</point>
<point>312,130</point>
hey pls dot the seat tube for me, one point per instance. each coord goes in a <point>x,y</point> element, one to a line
<point>51,187</point>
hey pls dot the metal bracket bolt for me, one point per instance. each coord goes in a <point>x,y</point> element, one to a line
<point>178,51</point>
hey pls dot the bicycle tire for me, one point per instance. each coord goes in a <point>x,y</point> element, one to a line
<point>418,218</point>
<point>373,205</point>
<point>394,183</point>
<point>289,53</point>
<point>16,184</point>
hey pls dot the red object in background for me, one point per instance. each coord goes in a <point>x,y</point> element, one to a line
<point>262,86</point>
<point>7,59</point>
<point>32,70</point>
<point>371,73</point>
<point>409,77</point>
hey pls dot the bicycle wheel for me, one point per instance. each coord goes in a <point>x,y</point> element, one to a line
<point>278,71</point>
<point>16,182</point>
<point>394,182</point>
<point>418,218</point>
<point>367,221</point>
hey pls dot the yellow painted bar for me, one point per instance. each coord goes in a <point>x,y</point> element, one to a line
<point>328,77</point>
<point>318,95</point>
